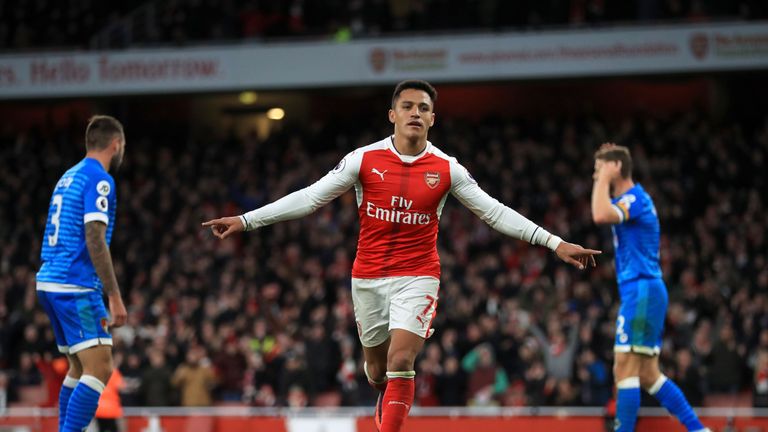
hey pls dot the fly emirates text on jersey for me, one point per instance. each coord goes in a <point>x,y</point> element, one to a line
<point>400,213</point>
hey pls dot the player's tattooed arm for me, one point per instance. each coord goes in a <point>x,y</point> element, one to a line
<point>96,241</point>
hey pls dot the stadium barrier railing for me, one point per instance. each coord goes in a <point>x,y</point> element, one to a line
<point>442,419</point>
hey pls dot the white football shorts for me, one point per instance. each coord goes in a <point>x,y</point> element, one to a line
<point>402,302</point>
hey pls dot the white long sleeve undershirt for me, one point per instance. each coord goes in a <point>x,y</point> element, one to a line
<point>495,214</point>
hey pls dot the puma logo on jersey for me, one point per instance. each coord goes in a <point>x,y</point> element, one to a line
<point>379,173</point>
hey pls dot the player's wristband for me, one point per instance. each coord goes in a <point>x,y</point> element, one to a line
<point>542,237</point>
<point>245,223</point>
<point>553,242</point>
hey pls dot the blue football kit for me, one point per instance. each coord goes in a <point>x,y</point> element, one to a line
<point>640,323</point>
<point>67,284</point>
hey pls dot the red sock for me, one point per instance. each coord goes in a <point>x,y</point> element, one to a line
<point>398,399</point>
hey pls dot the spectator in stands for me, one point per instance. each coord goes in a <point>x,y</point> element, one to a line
<point>195,379</point>
<point>32,342</point>
<point>537,387</point>
<point>325,357</point>
<point>297,397</point>
<point>688,378</point>
<point>565,393</point>
<point>702,342</point>
<point>559,351</point>
<point>27,374</point>
<point>760,385</point>
<point>595,378</point>
<point>726,360</point>
<point>4,396</point>
<point>487,381</point>
<point>131,369</point>
<point>229,365</point>
<point>430,369</point>
<point>347,375</point>
<point>52,369</point>
<point>678,327</point>
<point>451,385</point>
<point>263,342</point>
<point>295,379</point>
<point>156,388</point>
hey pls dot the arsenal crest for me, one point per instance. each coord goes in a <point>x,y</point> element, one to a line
<point>432,179</point>
<point>699,44</point>
<point>378,59</point>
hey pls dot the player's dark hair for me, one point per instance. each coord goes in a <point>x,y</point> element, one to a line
<point>617,153</point>
<point>417,85</point>
<point>101,130</point>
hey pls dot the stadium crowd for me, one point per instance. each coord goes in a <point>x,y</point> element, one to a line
<point>56,24</point>
<point>266,318</point>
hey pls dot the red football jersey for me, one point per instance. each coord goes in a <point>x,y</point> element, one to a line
<point>399,213</point>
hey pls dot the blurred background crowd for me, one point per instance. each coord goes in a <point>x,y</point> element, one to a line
<point>83,24</point>
<point>266,318</point>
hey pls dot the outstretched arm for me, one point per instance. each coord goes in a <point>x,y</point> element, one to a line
<point>295,205</point>
<point>512,223</point>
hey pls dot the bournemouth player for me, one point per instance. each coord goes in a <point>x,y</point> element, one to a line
<point>77,269</point>
<point>618,201</point>
<point>401,184</point>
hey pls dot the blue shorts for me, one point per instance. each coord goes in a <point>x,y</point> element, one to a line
<point>640,324</point>
<point>79,319</point>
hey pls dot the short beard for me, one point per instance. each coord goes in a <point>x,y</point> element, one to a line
<point>413,138</point>
<point>115,162</point>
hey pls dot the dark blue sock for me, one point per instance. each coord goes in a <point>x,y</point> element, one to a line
<point>83,403</point>
<point>627,404</point>
<point>66,391</point>
<point>671,397</point>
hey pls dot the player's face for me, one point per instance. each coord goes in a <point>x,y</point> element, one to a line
<point>412,114</point>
